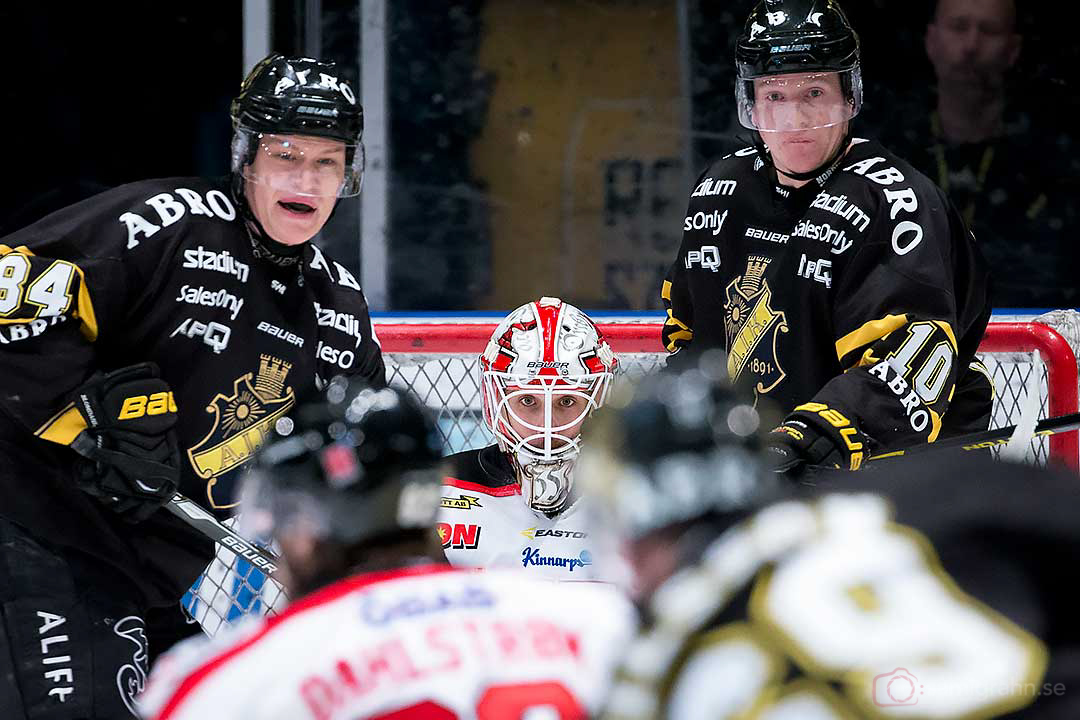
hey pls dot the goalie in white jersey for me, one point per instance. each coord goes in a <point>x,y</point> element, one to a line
<point>513,504</point>
<point>381,627</point>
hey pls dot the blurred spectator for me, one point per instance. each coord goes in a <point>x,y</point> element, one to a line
<point>987,150</point>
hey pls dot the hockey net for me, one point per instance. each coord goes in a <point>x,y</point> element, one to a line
<point>438,363</point>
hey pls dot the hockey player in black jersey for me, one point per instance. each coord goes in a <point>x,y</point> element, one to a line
<point>925,589</point>
<point>150,338</point>
<point>842,283</point>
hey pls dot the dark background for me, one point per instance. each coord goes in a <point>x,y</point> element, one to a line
<point>99,94</point>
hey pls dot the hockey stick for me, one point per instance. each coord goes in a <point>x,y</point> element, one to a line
<point>988,438</point>
<point>195,516</point>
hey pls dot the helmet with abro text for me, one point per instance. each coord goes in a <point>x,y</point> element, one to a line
<point>293,110</point>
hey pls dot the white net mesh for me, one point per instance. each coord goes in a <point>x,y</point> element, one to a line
<point>448,383</point>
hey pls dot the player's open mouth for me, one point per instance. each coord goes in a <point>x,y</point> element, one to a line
<point>297,208</point>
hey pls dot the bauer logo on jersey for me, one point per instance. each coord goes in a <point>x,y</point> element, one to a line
<point>458,536</point>
<point>461,502</point>
<point>753,328</point>
<point>241,421</point>
<point>708,257</point>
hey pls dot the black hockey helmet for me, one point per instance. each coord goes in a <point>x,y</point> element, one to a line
<point>677,446</point>
<point>796,36</point>
<point>361,464</point>
<point>298,96</point>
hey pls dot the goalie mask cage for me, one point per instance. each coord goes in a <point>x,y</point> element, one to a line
<point>438,362</point>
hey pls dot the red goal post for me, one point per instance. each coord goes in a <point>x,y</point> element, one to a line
<point>437,361</point>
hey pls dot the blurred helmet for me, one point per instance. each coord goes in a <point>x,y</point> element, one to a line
<point>798,67</point>
<point>675,447</point>
<point>358,465</point>
<point>297,97</point>
<point>545,369</point>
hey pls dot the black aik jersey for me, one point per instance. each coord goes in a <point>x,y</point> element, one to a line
<point>933,584</point>
<point>862,290</point>
<point>161,271</point>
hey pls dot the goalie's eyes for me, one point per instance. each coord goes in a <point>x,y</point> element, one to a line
<point>529,401</point>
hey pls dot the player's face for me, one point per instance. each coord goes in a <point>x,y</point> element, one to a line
<point>295,185</point>
<point>567,415</point>
<point>971,43</point>
<point>809,112</point>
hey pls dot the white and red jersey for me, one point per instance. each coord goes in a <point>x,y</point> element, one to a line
<point>427,642</point>
<point>484,522</point>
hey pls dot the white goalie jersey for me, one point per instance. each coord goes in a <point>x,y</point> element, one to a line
<point>483,527</point>
<point>422,642</point>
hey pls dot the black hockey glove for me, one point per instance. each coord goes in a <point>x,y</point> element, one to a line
<point>133,459</point>
<point>815,435</point>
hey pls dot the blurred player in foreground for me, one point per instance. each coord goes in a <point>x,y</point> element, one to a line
<point>794,603</point>
<point>513,503</point>
<point>380,627</point>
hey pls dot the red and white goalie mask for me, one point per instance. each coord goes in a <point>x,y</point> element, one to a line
<point>545,369</point>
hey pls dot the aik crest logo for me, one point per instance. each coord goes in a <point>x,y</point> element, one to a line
<point>241,423</point>
<point>753,327</point>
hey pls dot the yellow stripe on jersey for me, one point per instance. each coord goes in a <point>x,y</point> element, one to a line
<point>84,308</point>
<point>868,333</point>
<point>948,331</point>
<point>63,427</point>
<point>935,420</point>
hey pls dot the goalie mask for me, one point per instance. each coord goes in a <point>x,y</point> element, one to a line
<point>545,369</point>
